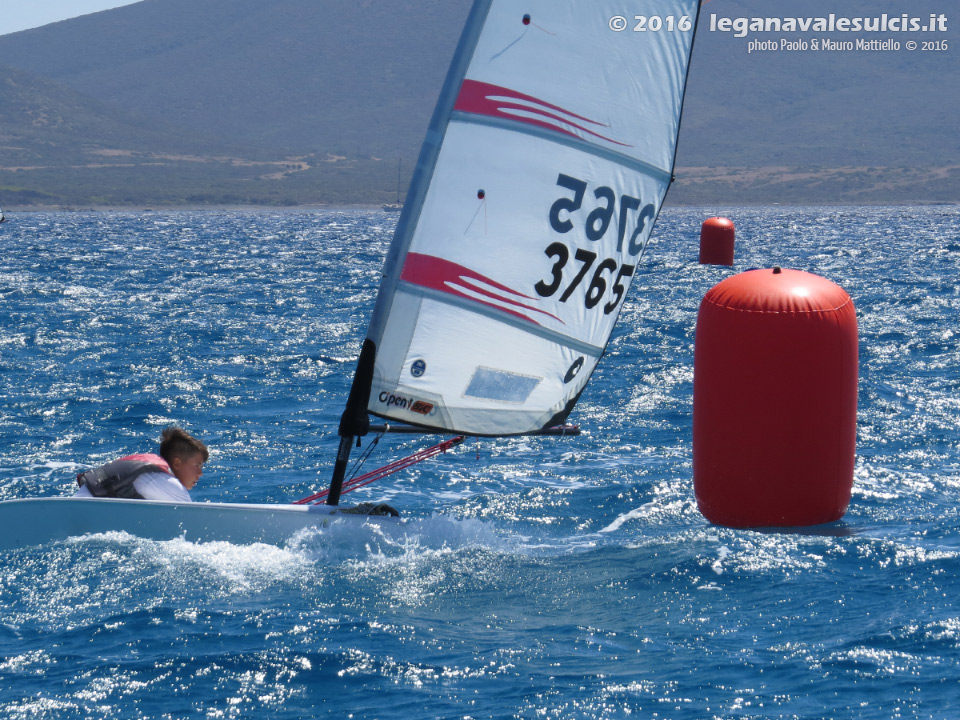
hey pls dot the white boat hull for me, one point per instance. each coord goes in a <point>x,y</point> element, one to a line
<point>37,521</point>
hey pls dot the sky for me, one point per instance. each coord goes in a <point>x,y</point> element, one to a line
<point>25,14</point>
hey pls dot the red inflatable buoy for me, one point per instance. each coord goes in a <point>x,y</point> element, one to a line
<point>774,400</point>
<point>717,237</point>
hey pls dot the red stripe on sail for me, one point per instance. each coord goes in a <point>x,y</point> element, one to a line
<point>449,277</point>
<point>482,98</point>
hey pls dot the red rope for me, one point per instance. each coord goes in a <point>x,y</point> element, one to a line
<point>390,469</point>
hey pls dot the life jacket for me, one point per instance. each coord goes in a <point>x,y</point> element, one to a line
<point>115,479</point>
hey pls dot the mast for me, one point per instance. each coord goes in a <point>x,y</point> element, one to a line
<point>354,422</point>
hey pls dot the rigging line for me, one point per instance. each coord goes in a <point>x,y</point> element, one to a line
<point>353,471</point>
<point>389,469</point>
<point>363,458</point>
<point>483,205</point>
<point>543,29</point>
<point>496,55</point>
<point>399,465</point>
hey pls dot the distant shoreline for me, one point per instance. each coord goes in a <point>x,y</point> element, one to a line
<point>189,208</point>
<point>120,209</point>
<point>695,186</point>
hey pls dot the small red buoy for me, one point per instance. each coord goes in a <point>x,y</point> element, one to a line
<point>774,400</point>
<point>717,236</point>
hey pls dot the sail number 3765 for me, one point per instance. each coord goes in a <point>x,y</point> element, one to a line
<point>608,275</point>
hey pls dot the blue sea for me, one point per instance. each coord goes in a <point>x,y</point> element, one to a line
<point>535,578</point>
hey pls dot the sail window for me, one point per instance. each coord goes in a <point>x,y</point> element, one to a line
<point>500,385</point>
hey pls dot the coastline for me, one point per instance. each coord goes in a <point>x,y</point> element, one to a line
<point>373,207</point>
<point>694,186</point>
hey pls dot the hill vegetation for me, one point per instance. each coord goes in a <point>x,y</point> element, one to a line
<point>174,102</point>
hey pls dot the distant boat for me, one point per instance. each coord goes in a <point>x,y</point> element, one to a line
<point>398,205</point>
<point>2,216</point>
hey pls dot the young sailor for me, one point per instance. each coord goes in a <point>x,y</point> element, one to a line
<point>167,476</point>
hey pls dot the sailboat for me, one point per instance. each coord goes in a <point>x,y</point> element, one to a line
<point>398,205</point>
<point>544,168</point>
<point>3,218</point>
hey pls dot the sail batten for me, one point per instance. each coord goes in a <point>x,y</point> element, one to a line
<point>626,161</point>
<point>502,317</point>
<point>534,196</point>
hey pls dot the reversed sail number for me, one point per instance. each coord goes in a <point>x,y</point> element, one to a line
<point>608,272</point>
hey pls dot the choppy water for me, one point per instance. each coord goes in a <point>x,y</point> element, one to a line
<point>546,579</point>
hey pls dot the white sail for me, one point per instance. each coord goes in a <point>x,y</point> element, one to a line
<point>547,160</point>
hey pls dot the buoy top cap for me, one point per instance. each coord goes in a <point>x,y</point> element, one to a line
<point>787,291</point>
<point>717,223</point>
